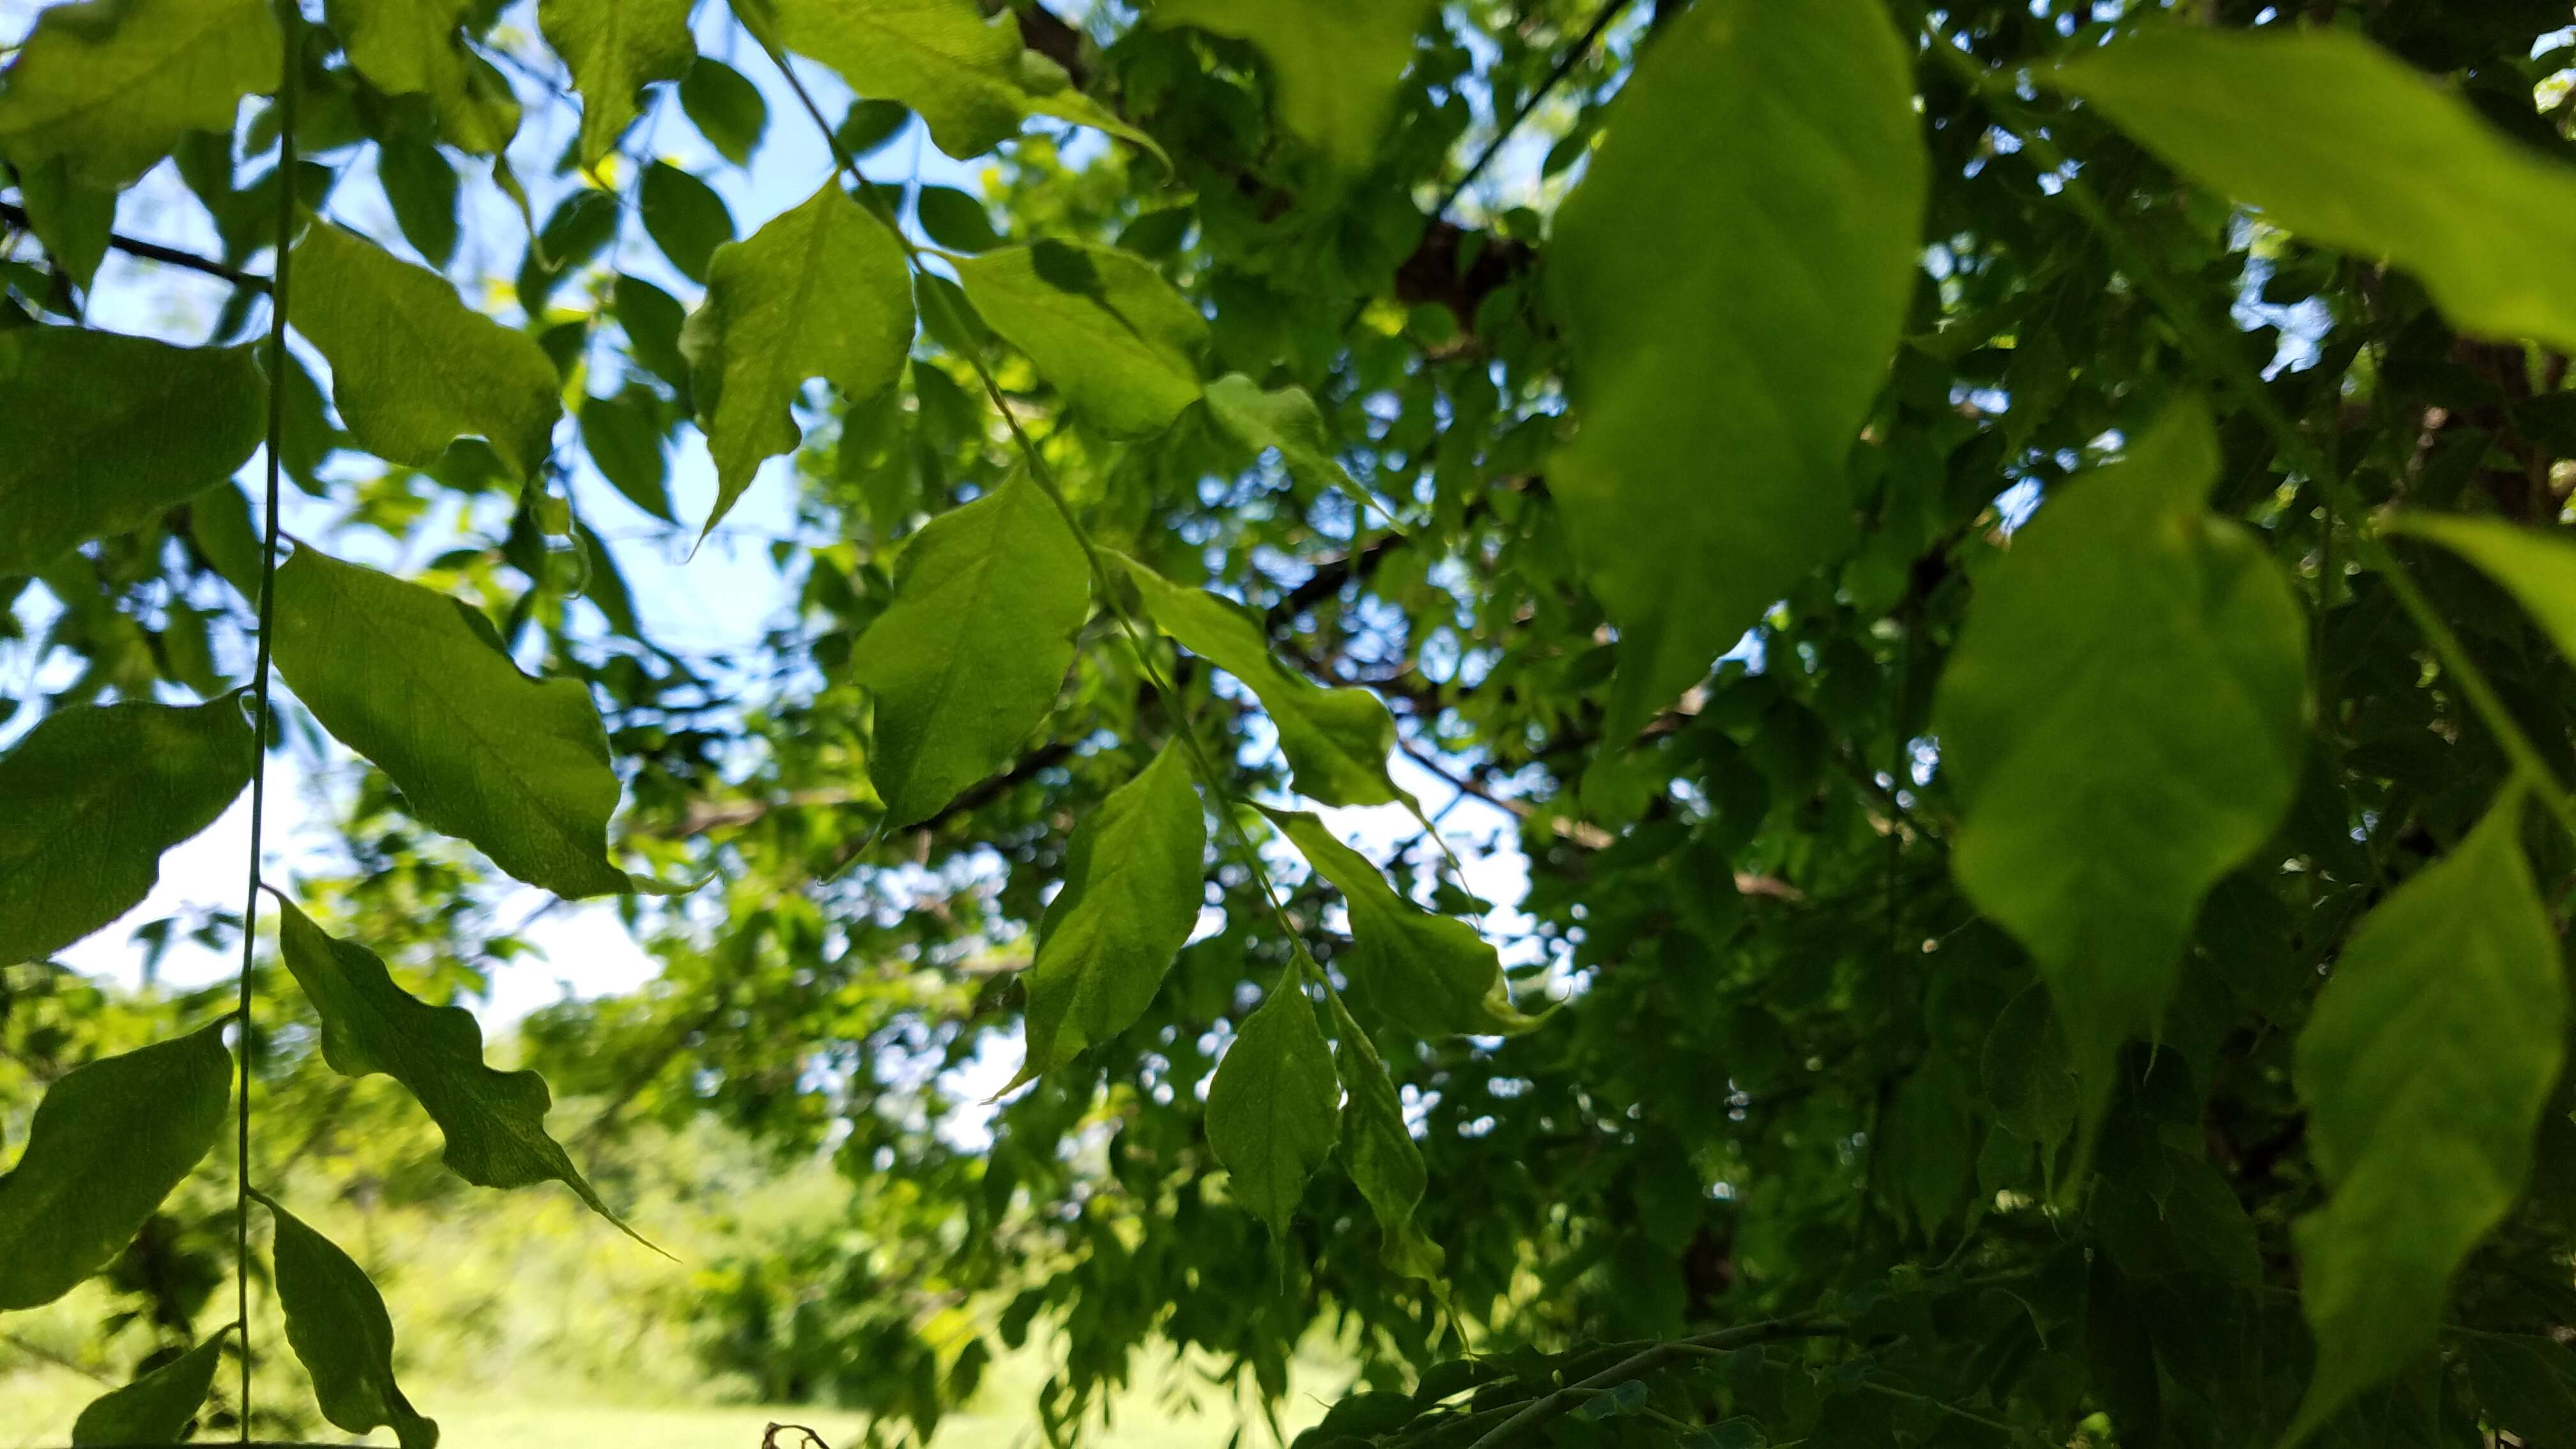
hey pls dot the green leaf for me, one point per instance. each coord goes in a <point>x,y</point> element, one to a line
<point>614,49</point>
<point>412,367</point>
<point>685,218</point>
<point>968,77</point>
<point>2527,1384</point>
<point>420,186</point>
<point>969,656</point>
<point>155,1408</point>
<point>494,1122</point>
<point>726,108</point>
<point>1274,1107</point>
<point>1336,740</point>
<point>1285,419</point>
<point>1431,974</point>
<point>1929,1145</point>
<point>108,1142</point>
<point>1337,62</point>
<point>653,320</point>
<point>2345,145</point>
<point>1722,381</point>
<point>2124,717</point>
<point>103,432</point>
<point>2025,1075</point>
<point>1134,879</point>
<point>72,219</point>
<point>2424,1069</point>
<point>418,683</point>
<point>417,47</point>
<point>954,219</point>
<point>623,435</point>
<point>1101,324</point>
<point>114,84</point>
<point>1378,1149</point>
<point>2537,569</point>
<point>91,797</point>
<point>820,291</point>
<point>337,1325</point>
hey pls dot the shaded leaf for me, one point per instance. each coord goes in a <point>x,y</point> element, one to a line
<point>2346,145</point>
<point>103,432</point>
<point>615,48</point>
<point>2537,569</point>
<point>2025,1073</point>
<point>2424,1065</point>
<point>1722,387</point>
<point>1100,324</point>
<point>1433,974</point>
<point>2125,720</point>
<point>820,291</point>
<point>417,47</point>
<point>685,218</point>
<point>954,219</point>
<point>418,683</point>
<point>1336,740</point>
<point>969,656</point>
<point>89,800</point>
<point>156,1407</point>
<point>1378,1149</point>
<point>421,187</point>
<point>727,109</point>
<point>72,219</point>
<point>1336,62</point>
<point>2527,1384</point>
<point>1929,1145</point>
<point>113,85</point>
<point>337,1325</point>
<point>412,367</point>
<point>1285,419</point>
<point>1274,1108</point>
<point>623,435</point>
<point>70,1205</point>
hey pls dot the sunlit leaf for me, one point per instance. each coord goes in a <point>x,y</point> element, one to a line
<point>114,84</point>
<point>418,682</point>
<point>91,797</point>
<point>103,432</point>
<point>1101,324</point>
<point>1433,974</point>
<point>615,48</point>
<point>1274,1108</point>
<point>2424,1068</point>
<point>156,1407</point>
<point>1133,882</point>
<point>108,1142</point>
<point>1378,1149</point>
<point>337,1325</point>
<point>2338,141</point>
<point>417,47</point>
<point>2124,718</point>
<point>412,367</point>
<point>1337,62</point>
<point>1336,740</point>
<point>969,656</point>
<point>1282,418</point>
<point>1722,380</point>
<point>820,291</point>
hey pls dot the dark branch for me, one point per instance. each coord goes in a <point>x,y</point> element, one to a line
<point>16,215</point>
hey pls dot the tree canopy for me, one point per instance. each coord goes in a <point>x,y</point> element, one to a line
<point>2002,567</point>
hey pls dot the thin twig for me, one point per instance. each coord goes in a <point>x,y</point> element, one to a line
<point>1648,1360</point>
<point>1564,67</point>
<point>16,215</point>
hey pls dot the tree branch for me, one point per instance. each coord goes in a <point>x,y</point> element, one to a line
<point>16,215</point>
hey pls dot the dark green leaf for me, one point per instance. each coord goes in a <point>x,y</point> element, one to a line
<point>417,47</point>
<point>624,437</point>
<point>727,109</point>
<point>421,187</point>
<point>1274,1108</point>
<point>72,219</point>
<point>155,1408</point>
<point>103,432</point>
<point>685,218</point>
<point>1929,1144</point>
<point>615,48</point>
<point>969,656</point>
<point>1378,1149</point>
<point>653,320</point>
<point>2423,1067</point>
<point>112,85</point>
<point>868,125</point>
<point>337,1325</point>
<point>2537,569</point>
<point>1336,63</point>
<point>955,220</point>
<point>2527,1384</point>
<point>1100,324</point>
<point>108,1142</point>
<point>1285,419</point>
<point>2025,1072</point>
<point>93,795</point>
<point>1721,384</point>
<point>419,683</point>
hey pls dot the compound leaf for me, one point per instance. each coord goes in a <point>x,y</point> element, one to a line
<point>108,1142</point>
<point>337,1325</point>
<point>2426,1062</point>
<point>155,1408</point>
<point>2124,717</point>
<point>820,291</point>
<point>93,795</point>
<point>969,656</point>
<point>103,432</point>
<point>412,367</point>
<point>1274,1108</point>
<point>1100,323</point>
<point>2342,143</point>
<point>1721,387</point>
<point>418,682</point>
<point>614,49</point>
<point>1134,878</point>
<point>114,84</point>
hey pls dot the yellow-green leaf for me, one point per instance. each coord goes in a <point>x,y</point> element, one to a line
<point>103,432</point>
<point>2125,719</point>
<point>91,797</point>
<point>108,1142</point>
<point>418,682</point>
<point>1100,323</point>
<point>1728,334</point>
<point>412,367</point>
<point>114,84</point>
<point>615,48</point>
<point>2336,140</point>
<point>1134,878</point>
<point>2424,1069</point>
<point>156,1407</point>
<point>337,1325</point>
<point>1336,62</point>
<point>969,656</point>
<point>1274,1108</point>
<point>417,47</point>
<point>820,291</point>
